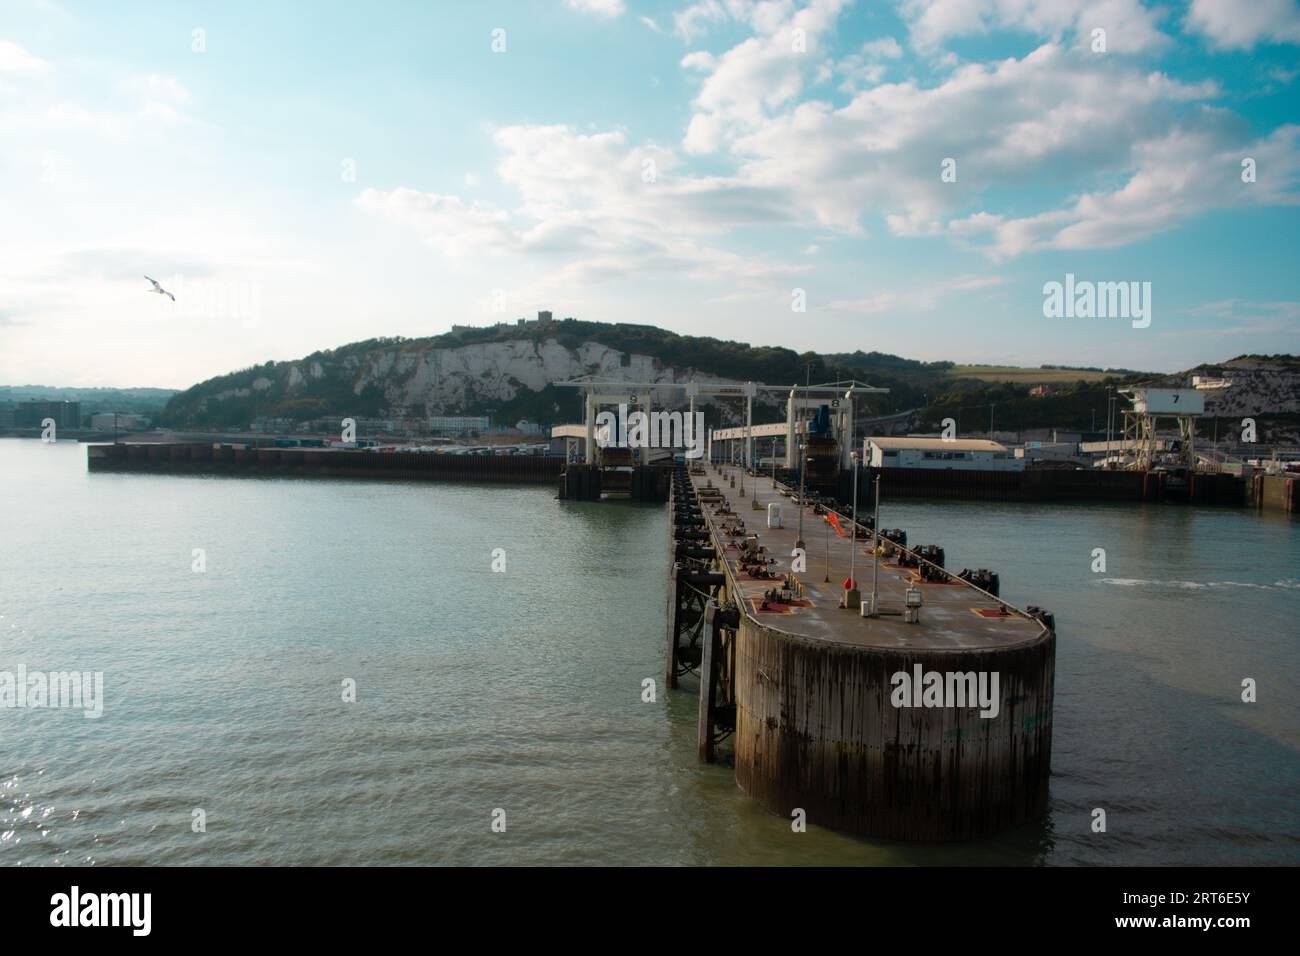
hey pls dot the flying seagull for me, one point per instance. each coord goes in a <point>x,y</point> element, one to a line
<point>160,290</point>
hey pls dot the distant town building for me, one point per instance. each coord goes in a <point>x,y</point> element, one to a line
<point>1040,391</point>
<point>30,414</point>
<point>1048,451</point>
<point>458,424</point>
<point>960,454</point>
<point>122,421</point>
<point>268,425</point>
<point>528,427</point>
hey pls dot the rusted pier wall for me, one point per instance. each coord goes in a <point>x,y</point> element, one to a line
<point>815,729</point>
<point>1276,493</point>
<point>308,462</point>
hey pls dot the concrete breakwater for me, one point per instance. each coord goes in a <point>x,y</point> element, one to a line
<point>650,483</point>
<point>328,463</point>
<point>808,694</point>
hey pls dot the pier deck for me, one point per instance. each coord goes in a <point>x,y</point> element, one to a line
<point>954,615</point>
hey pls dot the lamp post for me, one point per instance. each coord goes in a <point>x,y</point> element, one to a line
<point>1110,424</point>
<point>852,596</point>
<point>803,452</point>
<point>827,519</point>
<point>875,557</point>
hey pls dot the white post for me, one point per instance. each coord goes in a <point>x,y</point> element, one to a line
<point>791,455</point>
<point>853,549</point>
<point>749,424</point>
<point>849,429</point>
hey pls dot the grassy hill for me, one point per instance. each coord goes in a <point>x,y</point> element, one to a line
<point>1043,375</point>
<point>508,372</point>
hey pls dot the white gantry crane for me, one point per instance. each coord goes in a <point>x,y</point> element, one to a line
<point>840,396</point>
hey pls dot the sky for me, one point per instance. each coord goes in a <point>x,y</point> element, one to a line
<point>902,176</point>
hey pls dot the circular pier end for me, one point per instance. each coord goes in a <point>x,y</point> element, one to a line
<point>818,728</point>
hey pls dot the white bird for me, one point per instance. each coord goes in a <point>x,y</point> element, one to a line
<point>160,290</point>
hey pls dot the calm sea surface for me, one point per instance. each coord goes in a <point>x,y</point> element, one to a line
<point>522,690</point>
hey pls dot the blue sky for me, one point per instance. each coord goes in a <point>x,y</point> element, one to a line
<point>302,176</point>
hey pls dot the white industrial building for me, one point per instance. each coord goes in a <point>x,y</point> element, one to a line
<point>959,453</point>
<point>458,424</point>
<point>1049,451</point>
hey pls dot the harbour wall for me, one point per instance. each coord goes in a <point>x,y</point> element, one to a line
<point>334,463</point>
<point>1275,493</point>
<point>1043,485</point>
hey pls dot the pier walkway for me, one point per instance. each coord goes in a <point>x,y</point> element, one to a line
<point>953,615</point>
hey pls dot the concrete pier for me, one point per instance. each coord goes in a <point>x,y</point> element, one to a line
<point>206,458</point>
<point>814,687</point>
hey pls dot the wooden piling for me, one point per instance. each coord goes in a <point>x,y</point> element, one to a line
<point>709,682</point>
<point>675,584</point>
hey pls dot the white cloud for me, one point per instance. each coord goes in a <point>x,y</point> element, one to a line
<point>913,300</point>
<point>885,48</point>
<point>696,19</point>
<point>1054,116</point>
<point>757,76</point>
<point>15,59</point>
<point>443,221</point>
<point>601,8</point>
<point>158,89</point>
<point>1129,26</point>
<point>1239,26</point>
<point>588,212</point>
<point>1253,318</point>
<point>1178,176</point>
<point>137,103</point>
<point>158,97</point>
<point>1057,119</point>
<point>865,66</point>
